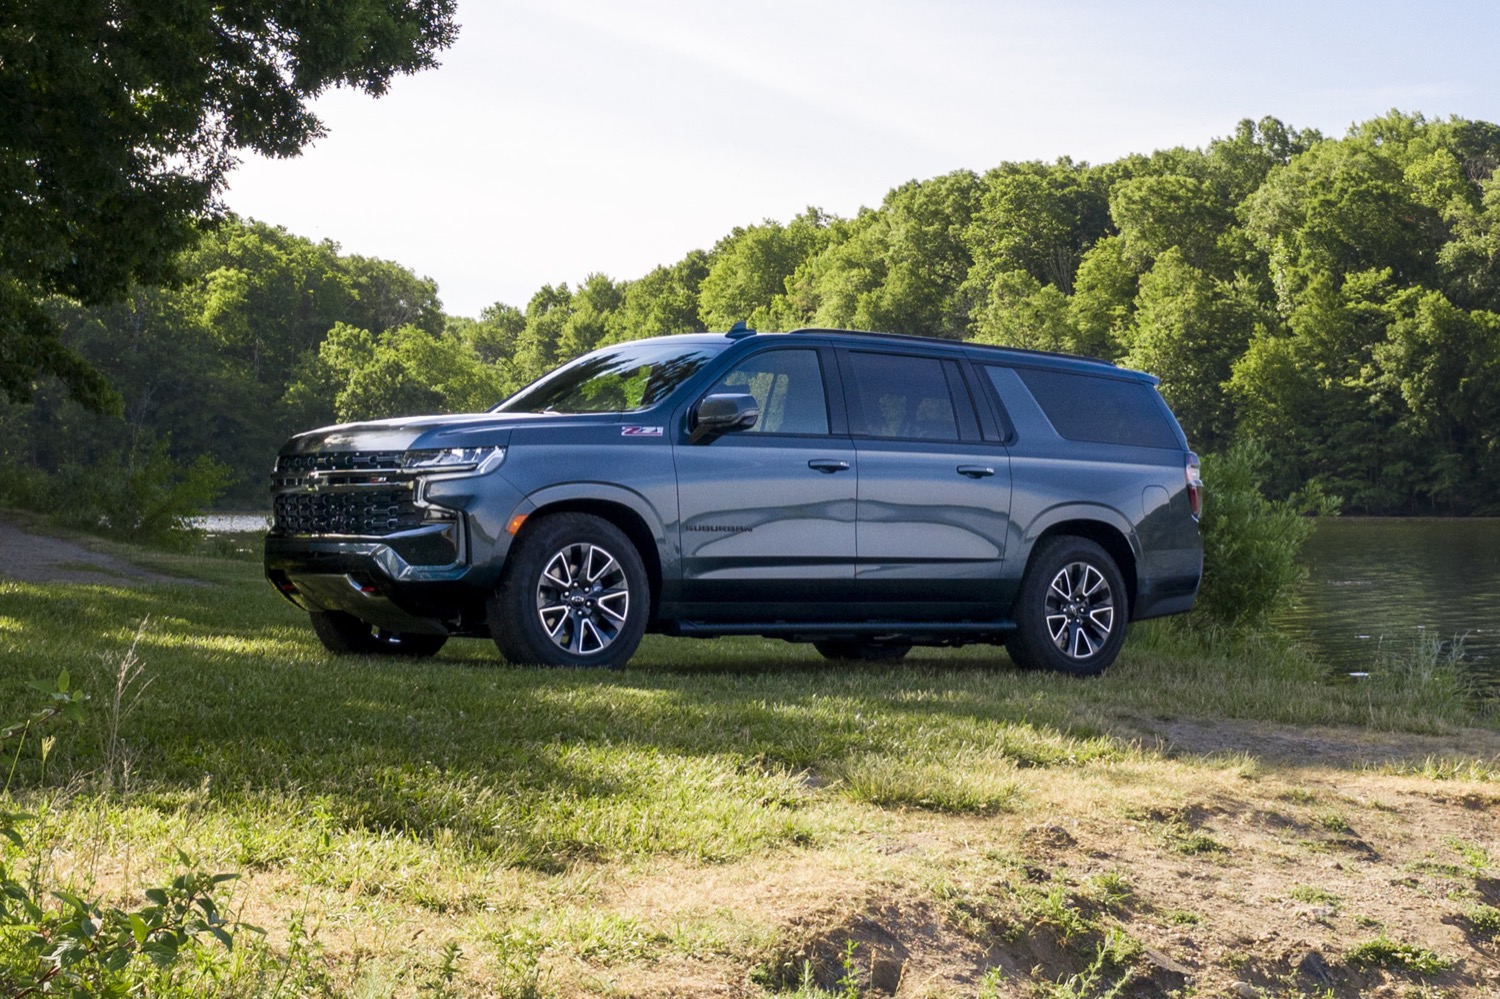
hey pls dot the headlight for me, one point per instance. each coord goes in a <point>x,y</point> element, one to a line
<point>454,459</point>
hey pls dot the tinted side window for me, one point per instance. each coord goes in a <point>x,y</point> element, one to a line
<point>1103,410</point>
<point>788,385</point>
<point>901,397</point>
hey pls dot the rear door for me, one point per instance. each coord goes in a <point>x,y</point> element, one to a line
<point>934,496</point>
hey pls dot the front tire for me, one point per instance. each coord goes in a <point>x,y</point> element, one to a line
<point>574,593</point>
<point>345,635</point>
<point>1072,611</point>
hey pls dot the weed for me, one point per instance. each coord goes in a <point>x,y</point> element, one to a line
<point>520,973</point>
<point>1110,889</point>
<point>1184,839</point>
<point>124,687</point>
<point>1106,977</point>
<point>1483,921</point>
<point>57,941</point>
<point>1387,953</point>
<point>1334,822</point>
<point>1182,917</point>
<point>1057,909</point>
<point>1476,856</point>
<point>1298,795</point>
<point>440,983</point>
<point>1314,896</point>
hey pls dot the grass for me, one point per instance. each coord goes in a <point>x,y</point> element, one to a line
<point>1384,952</point>
<point>461,820</point>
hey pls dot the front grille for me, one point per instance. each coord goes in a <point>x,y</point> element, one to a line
<point>337,468</point>
<point>367,512</point>
<point>340,461</point>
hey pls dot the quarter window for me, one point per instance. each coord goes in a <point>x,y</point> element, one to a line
<point>788,386</point>
<point>1101,410</point>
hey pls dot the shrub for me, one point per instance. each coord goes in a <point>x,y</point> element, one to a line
<point>1250,543</point>
<point>55,942</point>
<point>145,497</point>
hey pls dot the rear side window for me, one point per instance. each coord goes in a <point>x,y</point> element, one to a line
<point>1101,410</point>
<point>898,396</point>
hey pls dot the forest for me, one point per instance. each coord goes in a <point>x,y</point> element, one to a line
<point>1335,299</point>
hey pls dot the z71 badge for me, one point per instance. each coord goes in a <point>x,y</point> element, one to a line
<point>640,431</point>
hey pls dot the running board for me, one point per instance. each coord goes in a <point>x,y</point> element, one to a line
<point>919,632</point>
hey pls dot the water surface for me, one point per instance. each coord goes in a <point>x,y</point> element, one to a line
<point>1373,580</point>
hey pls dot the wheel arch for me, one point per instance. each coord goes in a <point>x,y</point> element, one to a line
<point>623,516</point>
<point>1107,536</point>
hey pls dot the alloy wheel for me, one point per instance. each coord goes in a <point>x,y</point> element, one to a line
<point>1080,610</point>
<point>583,599</point>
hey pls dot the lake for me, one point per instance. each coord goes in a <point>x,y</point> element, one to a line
<point>232,523</point>
<point>1373,580</point>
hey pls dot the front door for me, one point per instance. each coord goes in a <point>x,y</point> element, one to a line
<point>767,514</point>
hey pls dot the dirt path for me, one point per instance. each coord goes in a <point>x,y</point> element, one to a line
<point>37,558</point>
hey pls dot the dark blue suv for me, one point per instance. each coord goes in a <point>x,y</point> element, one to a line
<point>864,492</point>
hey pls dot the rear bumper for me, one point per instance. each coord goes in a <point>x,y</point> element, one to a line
<point>1170,586</point>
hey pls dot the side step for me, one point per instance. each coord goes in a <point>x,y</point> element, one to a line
<point>916,632</point>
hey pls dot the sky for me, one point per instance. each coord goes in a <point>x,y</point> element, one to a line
<point>561,138</point>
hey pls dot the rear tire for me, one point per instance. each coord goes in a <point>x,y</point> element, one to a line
<point>345,635</point>
<point>574,593</point>
<point>862,650</point>
<point>1072,611</point>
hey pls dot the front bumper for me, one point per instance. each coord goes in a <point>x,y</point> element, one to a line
<point>434,578</point>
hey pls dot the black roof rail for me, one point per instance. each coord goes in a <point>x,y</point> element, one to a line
<point>910,338</point>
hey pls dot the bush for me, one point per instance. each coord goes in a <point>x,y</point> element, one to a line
<point>144,497</point>
<point>1251,543</point>
<point>56,942</point>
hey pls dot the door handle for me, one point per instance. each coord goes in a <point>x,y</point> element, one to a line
<point>976,471</point>
<point>828,465</point>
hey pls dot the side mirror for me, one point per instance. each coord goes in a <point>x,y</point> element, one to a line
<point>723,414</point>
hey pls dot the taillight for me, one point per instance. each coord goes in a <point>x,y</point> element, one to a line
<point>1194,486</point>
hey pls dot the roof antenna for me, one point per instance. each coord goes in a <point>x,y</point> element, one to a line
<point>739,329</point>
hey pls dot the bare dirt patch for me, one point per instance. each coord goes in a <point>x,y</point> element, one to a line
<point>1284,746</point>
<point>39,558</point>
<point>1316,880</point>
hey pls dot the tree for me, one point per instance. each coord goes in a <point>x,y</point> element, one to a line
<point>663,302</point>
<point>1188,330</point>
<point>1020,312</point>
<point>1037,218</point>
<point>122,121</point>
<point>896,268</point>
<point>1155,214</point>
<point>751,265</point>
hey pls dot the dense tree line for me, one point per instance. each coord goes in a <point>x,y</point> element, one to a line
<point>120,123</point>
<point>1338,300</point>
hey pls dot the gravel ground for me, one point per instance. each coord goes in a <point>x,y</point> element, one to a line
<point>37,558</point>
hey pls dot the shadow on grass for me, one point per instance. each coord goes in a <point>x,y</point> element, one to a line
<point>240,697</point>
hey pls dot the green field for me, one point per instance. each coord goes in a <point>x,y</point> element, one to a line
<point>464,826</point>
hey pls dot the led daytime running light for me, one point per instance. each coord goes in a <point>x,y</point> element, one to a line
<point>453,459</point>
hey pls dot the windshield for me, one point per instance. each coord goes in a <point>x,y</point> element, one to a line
<point>617,379</point>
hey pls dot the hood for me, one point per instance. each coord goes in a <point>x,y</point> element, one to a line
<point>406,433</point>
